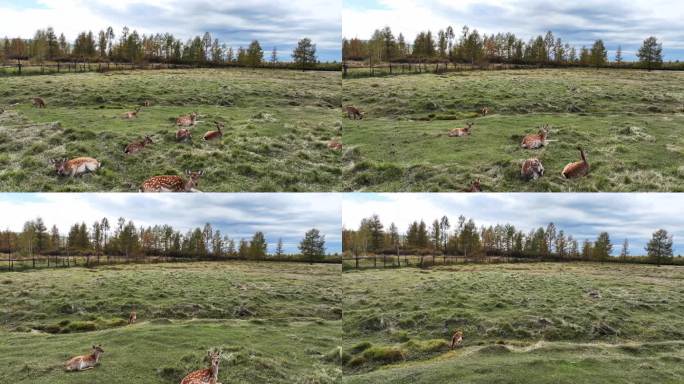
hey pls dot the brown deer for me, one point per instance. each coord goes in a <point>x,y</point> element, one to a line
<point>38,102</point>
<point>578,168</point>
<point>475,186</point>
<point>81,363</point>
<point>172,183</point>
<point>536,140</point>
<point>133,317</point>
<point>484,111</point>
<point>146,103</point>
<point>211,135</point>
<point>187,120</point>
<point>335,145</point>
<point>353,113</point>
<point>132,115</point>
<point>137,146</point>
<point>532,169</point>
<point>456,339</point>
<point>183,134</point>
<point>460,132</point>
<point>207,375</point>
<point>75,167</point>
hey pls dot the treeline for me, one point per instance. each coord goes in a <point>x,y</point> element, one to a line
<point>469,46</point>
<point>131,47</point>
<point>123,238</point>
<point>466,239</point>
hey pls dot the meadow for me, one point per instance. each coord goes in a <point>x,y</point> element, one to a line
<point>522,323</point>
<point>277,127</point>
<point>275,322</point>
<point>629,122</point>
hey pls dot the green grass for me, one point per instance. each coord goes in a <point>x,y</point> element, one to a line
<point>522,323</point>
<point>276,322</point>
<point>628,121</point>
<point>277,126</point>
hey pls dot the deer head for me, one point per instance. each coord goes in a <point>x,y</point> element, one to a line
<point>193,179</point>
<point>97,350</point>
<point>468,127</point>
<point>583,155</point>
<point>147,140</point>
<point>60,165</point>
<point>544,131</point>
<point>219,126</point>
<point>214,359</point>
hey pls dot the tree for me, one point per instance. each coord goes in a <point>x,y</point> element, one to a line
<point>625,250</point>
<point>279,248</point>
<point>258,246</point>
<point>305,53</point>
<point>599,54</point>
<point>602,247</point>
<point>651,53</point>
<point>618,55</point>
<point>312,246</point>
<point>254,54</point>
<point>659,248</point>
<point>274,56</point>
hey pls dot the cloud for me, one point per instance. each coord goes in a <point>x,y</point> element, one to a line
<point>278,215</point>
<point>578,22</point>
<point>277,23</point>
<point>634,216</point>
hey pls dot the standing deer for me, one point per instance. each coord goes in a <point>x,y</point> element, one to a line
<point>75,167</point>
<point>475,186</point>
<point>187,120</point>
<point>207,375</point>
<point>532,169</point>
<point>146,103</point>
<point>460,132</point>
<point>133,317</point>
<point>38,102</point>
<point>183,134</point>
<point>137,146</point>
<point>456,339</point>
<point>536,140</point>
<point>353,113</point>
<point>81,363</point>
<point>172,183</point>
<point>211,135</point>
<point>132,115</point>
<point>335,145</point>
<point>578,168</point>
<point>484,111</point>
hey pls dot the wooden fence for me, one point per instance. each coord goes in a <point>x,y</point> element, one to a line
<point>357,70</point>
<point>76,67</point>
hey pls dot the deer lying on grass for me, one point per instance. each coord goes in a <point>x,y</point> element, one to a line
<point>81,363</point>
<point>335,145</point>
<point>207,375</point>
<point>137,146</point>
<point>484,111</point>
<point>475,186</point>
<point>460,132</point>
<point>578,168</point>
<point>133,317</point>
<point>353,113</point>
<point>38,102</point>
<point>532,169</point>
<point>172,183</point>
<point>187,120</point>
<point>536,140</point>
<point>132,115</point>
<point>456,339</point>
<point>75,167</point>
<point>183,134</point>
<point>211,135</point>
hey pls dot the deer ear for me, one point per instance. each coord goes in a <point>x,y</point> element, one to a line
<point>188,172</point>
<point>201,172</point>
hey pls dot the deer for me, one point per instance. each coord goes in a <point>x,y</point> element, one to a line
<point>75,167</point>
<point>187,120</point>
<point>133,317</point>
<point>172,183</point>
<point>536,140</point>
<point>578,168</point>
<point>211,135</point>
<point>456,339</point>
<point>132,115</point>
<point>207,375</point>
<point>335,145</point>
<point>475,186</point>
<point>137,146</point>
<point>146,103</point>
<point>81,363</point>
<point>38,102</point>
<point>461,132</point>
<point>532,169</point>
<point>353,113</point>
<point>484,111</point>
<point>183,134</point>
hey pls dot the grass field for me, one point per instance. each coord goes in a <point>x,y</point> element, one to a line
<point>629,122</point>
<point>276,322</point>
<point>522,323</point>
<point>278,124</point>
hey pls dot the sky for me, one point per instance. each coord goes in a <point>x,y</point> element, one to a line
<point>634,216</point>
<point>278,215</point>
<point>279,23</point>
<point>579,22</point>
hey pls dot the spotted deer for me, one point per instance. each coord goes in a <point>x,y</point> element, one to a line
<point>578,168</point>
<point>207,375</point>
<point>187,120</point>
<point>353,113</point>
<point>172,183</point>
<point>138,146</point>
<point>81,363</point>
<point>536,140</point>
<point>133,317</point>
<point>38,102</point>
<point>212,135</point>
<point>75,167</point>
<point>460,132</point>
<point>183,134</point>
<point>132,115</point>
<point>456,339</point>
<point>335,145</point>
<point>475,186</point>
<point>484,111</point>
<point>532,169</point>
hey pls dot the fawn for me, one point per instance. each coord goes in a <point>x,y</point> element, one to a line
<point>132,115</point>
<point>536,140</point>
<point>484,111</point>
<point>81,363</point>
<point>183,134</point>
<point>456,339</point>
<point>211,135</point>
<point>75,167</point>
<point>38,102</point>
<point>207,375</point>
<point>187,120</point>
<point>578,168</point>
<point>460,132</point>
<point>137,146</point>
<point>133,317</point>
<point>532,169</point>
<point>172,183</point>
<point>353,113</point>
<point>146,103</point>
<point>475,186</point>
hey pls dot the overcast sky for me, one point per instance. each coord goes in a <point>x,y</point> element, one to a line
<point>634,216</point>
<point>278,215</point>
<point>279,23</point>
<point>579,22</point>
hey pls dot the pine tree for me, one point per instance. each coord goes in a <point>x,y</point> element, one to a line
<point>618,55</point>
<point>312,247</point>
<point>659,248</point>
<point>279,248</point>
<point>651,53</point>
<point>305,53</point>
<point>258,246</point>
